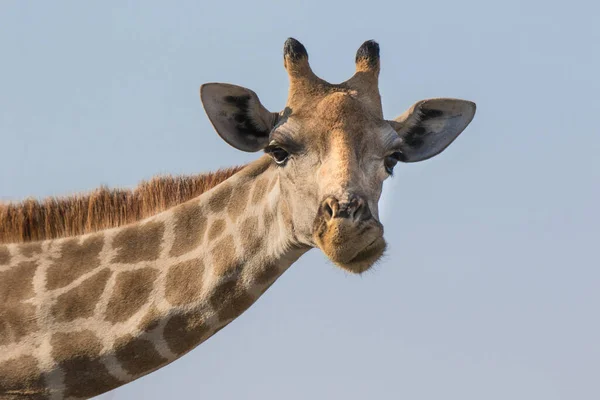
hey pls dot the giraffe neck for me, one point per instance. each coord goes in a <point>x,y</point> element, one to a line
<point>82,316</point>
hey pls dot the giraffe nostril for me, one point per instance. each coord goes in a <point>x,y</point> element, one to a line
<point>329,208</point>
<point>353,209</point>
<point>358,207</point>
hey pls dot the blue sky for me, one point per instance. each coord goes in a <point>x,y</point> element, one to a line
<point>490,288</point>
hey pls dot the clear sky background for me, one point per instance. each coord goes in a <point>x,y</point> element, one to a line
<point>491,285</point>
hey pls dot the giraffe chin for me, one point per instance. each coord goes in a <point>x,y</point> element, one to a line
<point>365,258</point>
<point>344,244</point>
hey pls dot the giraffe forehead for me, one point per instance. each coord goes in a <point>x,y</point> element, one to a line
<point>340,120</point>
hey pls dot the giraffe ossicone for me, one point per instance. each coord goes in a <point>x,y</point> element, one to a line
<point>81,315</point>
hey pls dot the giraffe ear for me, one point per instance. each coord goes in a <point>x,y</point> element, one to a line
<point>429,126</point>
<point>237,115</point>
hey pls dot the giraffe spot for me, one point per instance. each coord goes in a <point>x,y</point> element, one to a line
<point>260,190</point>
<point>183,332</point>
<point>67,345</point>
<point>184,282</point>
<point>216,229</point>
<point>220,198</point>
<point>238,202</point>
<point>268,219</point>
<point>267,274</point>
<point>248,234</point>
<point>4,255</point>
<point>151,320</point>
<point>30,249</point>
<point>230,300</point>
<point>16,284</point>
<point>266,287</point>
<point>17,320</point>
<point>286,213</point>
<point>80,301</point>
<point>21,378</point>
<point>131,291</point>
<point>138,356</point>
<point>223,256</point>
<point>75,260</point>
<point>139,243</point>
<point>77,353</point>
<point>190,224</point>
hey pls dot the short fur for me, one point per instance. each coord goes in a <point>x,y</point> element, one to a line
<point>103,208</point>
<point>83,315</point>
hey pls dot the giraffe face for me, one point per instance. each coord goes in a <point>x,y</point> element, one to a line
<point>333,148</point>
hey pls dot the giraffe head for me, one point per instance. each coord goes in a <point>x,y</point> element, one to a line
<point>333,148</point>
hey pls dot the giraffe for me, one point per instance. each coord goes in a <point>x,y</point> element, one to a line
<point>85,314</point>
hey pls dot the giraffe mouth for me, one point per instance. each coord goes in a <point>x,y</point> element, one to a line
<point>367,256</point>
<point>343,242</point>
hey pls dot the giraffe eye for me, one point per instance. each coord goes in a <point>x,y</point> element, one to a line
<point>391,161</point>
<point>279,154</point>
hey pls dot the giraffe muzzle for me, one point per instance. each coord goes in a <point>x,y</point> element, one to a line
<point>348,234</point>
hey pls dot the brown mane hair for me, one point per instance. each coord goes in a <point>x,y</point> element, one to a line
<point>103,208</point>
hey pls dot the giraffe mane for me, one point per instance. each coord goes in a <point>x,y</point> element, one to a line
<point>103,208</point>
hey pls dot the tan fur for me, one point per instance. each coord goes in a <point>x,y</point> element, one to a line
<point>147,239</point>
<point>80,316</point>
<point>131,292</point>
<point>17,320</point>
<point>80,301</point>
<point>78,380</point>
<point>16,372</point>
<point>231,299</point>
<point>184,282</point>
<point>76,258</point>
<point>138,356</point>
<point>4,255</point>
<point>190,224</point>
<point>184,331</point>
<point>104,208</point>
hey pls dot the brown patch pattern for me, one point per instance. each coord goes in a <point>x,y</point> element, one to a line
<point>16,284</point>
<point>184,282</point>
<point>267,274</point>
<point>190,225</point>
<point>4,255</point>
<point>139,242</point>
<point>220,198</point>
<point>223,256</point>
<point>268,220</point>
<point>249,236</point>
<point>78,354</point>
<point>103,208</point>
<point>16,322</point>
<point>75,260</point>
<point>183,332</point>
<point>31,249</point>
<point>231,300</point>
<point>131,291</point>
<point>238,202</point>
<point>20,378</point>
<point>216,229</point>
<point>138,356</point>
<point>151,320</point>
<point>260,190</point>
<point>80,301</point>
<point>286,213</point>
